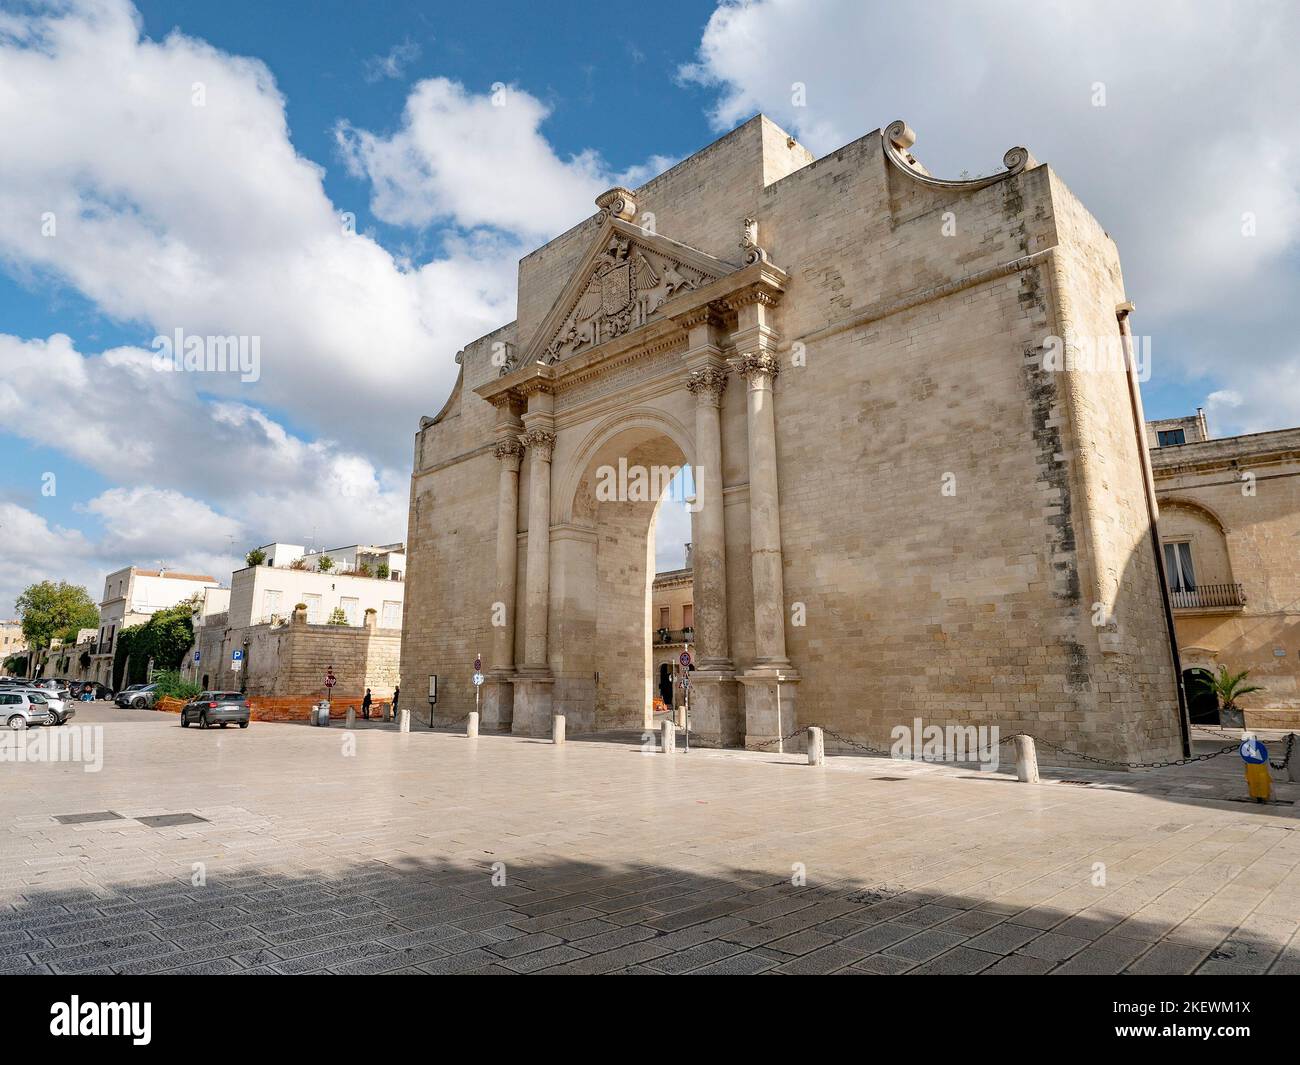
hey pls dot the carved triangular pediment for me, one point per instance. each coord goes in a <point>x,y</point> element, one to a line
<point>622,283</point>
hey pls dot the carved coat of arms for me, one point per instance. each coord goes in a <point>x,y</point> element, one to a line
<point>628,283</point>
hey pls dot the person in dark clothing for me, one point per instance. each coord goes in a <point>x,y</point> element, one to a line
<point>365,706</point>
<point>396,693</point>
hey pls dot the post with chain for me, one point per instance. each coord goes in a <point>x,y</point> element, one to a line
<point>816,746</point>
<point>1026,760</point>
<point>668,736</point>
<point>557,728</point>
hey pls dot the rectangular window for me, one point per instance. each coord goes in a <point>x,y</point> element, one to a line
<point>1168,437</point>
<point>688,616</point>
<point>663,617</point>
<point>351,608</point>
<point>1178,567</point>
<point>270,602</point>
<point>392,617</point>
<point>313,609</point>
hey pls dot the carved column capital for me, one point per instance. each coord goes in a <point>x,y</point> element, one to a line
<point>707,384</point>
<point>754,366</point>
<point>510,451</point>
<point>539,441</point>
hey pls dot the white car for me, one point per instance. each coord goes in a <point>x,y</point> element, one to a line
<point>19,709</point>
<point>61,706</point>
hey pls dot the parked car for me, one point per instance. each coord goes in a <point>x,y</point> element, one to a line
<point>138,696</point>
<point>60,709</point>
<point>94,690</point>
<point>216,708</point>
<point>23,708</point>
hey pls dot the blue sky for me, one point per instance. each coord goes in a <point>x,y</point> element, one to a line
<point>224,218</point>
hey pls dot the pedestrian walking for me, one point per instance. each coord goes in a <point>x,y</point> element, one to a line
<point>396,692</point>
<point>365,706</point>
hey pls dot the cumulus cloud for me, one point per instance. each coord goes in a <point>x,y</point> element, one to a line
<point>479,160</point>
<point>1175,125</point>
<point>159,180</point>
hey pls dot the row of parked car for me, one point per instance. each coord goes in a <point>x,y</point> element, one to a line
<point>38,702</point>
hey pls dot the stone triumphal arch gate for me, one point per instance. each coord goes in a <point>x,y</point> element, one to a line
<point>901,510</point>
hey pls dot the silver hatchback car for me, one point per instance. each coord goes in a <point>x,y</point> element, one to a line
<point>21,709</point>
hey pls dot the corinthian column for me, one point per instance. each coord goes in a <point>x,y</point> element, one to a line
<point>510,453</point>
<point>760,371</point>
<point>540,443</point>
<point>710,563</point>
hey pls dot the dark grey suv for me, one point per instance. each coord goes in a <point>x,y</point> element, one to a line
<point>216,708</point>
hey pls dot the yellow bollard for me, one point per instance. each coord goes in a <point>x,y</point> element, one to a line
<point>1258,782</point>
<point>1255,755</point>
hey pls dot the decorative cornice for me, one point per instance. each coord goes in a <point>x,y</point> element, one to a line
<point>754,294</point>
<point>899,138</point>
<point>707,384</point>
<point>756,364</point>
<point>539,441</point>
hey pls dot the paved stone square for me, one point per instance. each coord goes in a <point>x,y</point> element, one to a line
<point>312,850</point>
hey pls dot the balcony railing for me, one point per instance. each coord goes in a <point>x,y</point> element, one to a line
<point>1208,597</point>
<point>674,635</point>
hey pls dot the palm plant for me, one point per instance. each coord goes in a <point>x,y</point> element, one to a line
<point>1229,687</point>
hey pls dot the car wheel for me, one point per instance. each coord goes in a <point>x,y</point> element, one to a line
<point>243,724</point>
<point>203,721</point>
<point>185,721</point>
<point>57,720</point>
<point>17,722</point>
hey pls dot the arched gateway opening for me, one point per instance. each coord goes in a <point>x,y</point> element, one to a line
<point>603,559</point>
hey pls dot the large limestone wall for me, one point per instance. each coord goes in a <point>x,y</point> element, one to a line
<point>971,607</point>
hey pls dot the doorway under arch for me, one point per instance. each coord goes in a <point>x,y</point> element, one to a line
<point>602,572</point>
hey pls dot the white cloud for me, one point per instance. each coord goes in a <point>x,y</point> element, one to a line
<point>1196,143</point>
<point>394,64</point>
<point>479,160</point>
<point>158,179</point>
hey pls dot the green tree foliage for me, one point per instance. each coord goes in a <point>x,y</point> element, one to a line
<point>255,557</point>
<point>325,563</point>
<point>382,571</point>
<point>1229,687</point>
<point>49,610</point>
<point>338,617</point>
<point>165,638</point>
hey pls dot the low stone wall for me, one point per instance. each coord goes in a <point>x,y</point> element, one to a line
<point>1277,718</point>
<point>290,707</point>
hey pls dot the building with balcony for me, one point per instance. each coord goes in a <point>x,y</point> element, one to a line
<point>1230,536</point>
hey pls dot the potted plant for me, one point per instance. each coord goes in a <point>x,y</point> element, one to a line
<point>1228,688</point>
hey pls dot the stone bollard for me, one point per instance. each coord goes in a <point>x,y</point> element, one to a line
<point>471,725</point>
<point>1026,760</point>
<point>404,721</point>
<point>388,711</point>
<point>557,728</point>
<point>667,737</point>
<point>352,716</point>
<point>816,746</point>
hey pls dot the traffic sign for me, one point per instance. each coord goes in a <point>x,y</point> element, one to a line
<point>478,679</point>
<point>1252,751</point>
<point>329,678</point>
<point>196,656</point>
<point>235,656</point>
<point>478,664</point>
<point>685,658</point>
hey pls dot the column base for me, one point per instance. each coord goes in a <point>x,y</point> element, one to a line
<point>498,706</point>
<point>715,709</point>
<point>765,719</point>
<point>533,694</point>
